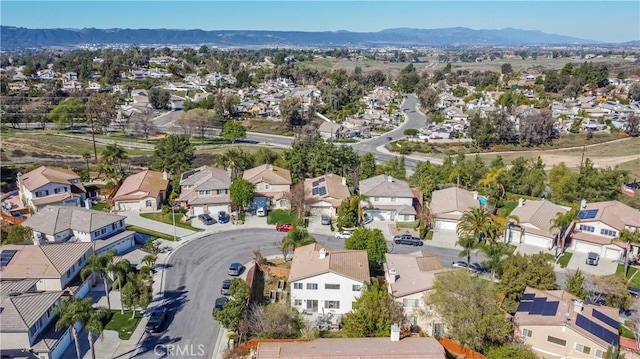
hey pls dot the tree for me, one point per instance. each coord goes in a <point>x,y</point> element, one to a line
<point>173,154</point>
<point>159,98</point>
<point>511,351</point>
<point>67,112</point>
<point>233,131</point>
<point>428,98</point>
<point>111,160</point>
<point>371,240</point>
<point>469,307</point>
<point>98,265</point>
<point>564,184</point>
<point>634,91</point>
<point>561,222</point>
<point>275,321</point>
<point>612,288</point>
<point>629,237</point>
<point>135,294</point>
<point>74,311</point>
<point>229,104</point>
<point>237,160</point>
<point>119,271</point>
<point>101,109</point>
<point>86,157</point>
<point>298,237</point>
<point>372,313</point>
<point>574,285</point>
<point>520,272</point>
<point>291,112</point>
<point>368,166</point>
<point>198,120</point>
<point>150,260</point>
<point>234,310</point>
<point>265,155</point>
<point>632,126</point>
<point>145,126</point>
<point>474,223</point>
<point>506,69</point>
<point>495,252</point>
<point>241,192</point>
<point>94,327</point>
<point>410,132</point>
<point>468,244</point>
<point>613,352</point>
<point>18,234</point>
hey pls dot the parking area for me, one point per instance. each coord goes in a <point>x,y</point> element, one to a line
<point>605,266</point>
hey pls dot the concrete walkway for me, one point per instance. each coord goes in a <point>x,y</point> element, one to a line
<point>134,218</point>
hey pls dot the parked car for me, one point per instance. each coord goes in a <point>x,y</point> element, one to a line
<point>634,292</point>
<point>343,235</point>
<point>459,264</point>
<point>156,319</point>
<point>285,227</point>
<point>235,269</point>
<point>226,284</point>
<point>261,212</point>
<point>389,138</point>
<point>219,304</point>
<point>223,217</point>
<point>407,239</point>
<point>368,218</point>
<point>592,258</point>
<point>325,220</point>
<point>206,219</point>
<point>477,268</point>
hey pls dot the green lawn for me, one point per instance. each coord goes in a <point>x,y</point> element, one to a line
<point>507,208</point>
<point>100,206</point>
<point>123,323</point>
<point>281,216</point>
<point>150,232</point>
<point>166,218</point>
<point>564,259</point>
<point>633,277</point>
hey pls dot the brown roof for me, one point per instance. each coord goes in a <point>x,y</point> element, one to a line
<point>336,192</point>
<point>52,199</point>
<point>613,213</point>
<point>385,186</point>
<point>43,261</point>
<point>145,184</point>
<point>307,263</point>
<point>450,200</point>
<point>415,272</point>
<point>353,348</point>
<point>20,312</point>
<point>539,214</point>
<point>44,175</point>
<point>268,173</point>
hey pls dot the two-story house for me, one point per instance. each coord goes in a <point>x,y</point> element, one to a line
<point>56,224</point>
<point>145,191</point>
<point>533,226</point>
<point>205,190</point>
<point>598,226</point>
<point>391,198</point>
<point>410,277</point>
<point>50,185</point>
<point>447,206</point>
<point>556,324</point>
<point>323,194</point>
<point>327,280</point>
<point>271,182</point>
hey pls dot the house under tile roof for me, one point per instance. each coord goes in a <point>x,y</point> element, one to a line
<point>55,219</point>
<point>415,272</point>
<point>19,313</point>
<point>206,178</point>
<point>385,186</point>
<point>613,213</point>
<point>538,214</point>
<point>268,173</point>
<point>330,188</point>
<point>307,262</point>
<point>51,260</point>
<point>452,199</point>
<point>44,175</point>
<point>145,184</point>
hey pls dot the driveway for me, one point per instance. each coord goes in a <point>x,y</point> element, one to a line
<point>444,238</point>
<point>605,266</point>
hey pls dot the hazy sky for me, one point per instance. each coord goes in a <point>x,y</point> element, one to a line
<point>613,21</point>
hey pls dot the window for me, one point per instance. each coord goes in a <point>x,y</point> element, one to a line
<point>312,305</point>
<point>332,286</point>
<point>356,287</point>
<point>332,304</point>
<point>583,349</point>
<point>376,199</point>
<point>114,226</point>
<point>297,285</point>
<point>297,302</point>
<point>527,333</point>
<point>393,199</point>
<point>599,353</point>
<point>222,191</point>
<point>312,286</point>
<point>148,203</point>
<point>266,186</point>
<point>410,303</point>
<point>608,232</point>
<point>585,228</point>
<point>557,341</point>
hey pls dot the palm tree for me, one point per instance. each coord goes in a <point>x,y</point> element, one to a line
<point>150,260</point>
<point>87,156</point>
<point>94,327</point>
<point>492,181</point>
<point>468,244</point>
<point>112,157</point>
<point>561,222</point>
<point>120,270</point>
<point>474,222</point>
<point>74,311</point>
<point>297,238</point>
<point>495,252</point>
<point>236,160</point>
<point>356,201</point>
<point>98,265</point>
<point>628,237</point>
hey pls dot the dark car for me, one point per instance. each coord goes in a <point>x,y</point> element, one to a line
<point>389,138</point>
<point>634,292</point>
<point>592,259</point>
<point>235,269</point>
<point>226,284</point>
<point>477,268</point>
<point>223,217</point>
<point>407,239</point>
<point>286,227</point>
<point>206,219</point>
<point>220,302</point>
<point>156,319</point>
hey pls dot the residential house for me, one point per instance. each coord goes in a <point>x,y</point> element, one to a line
<point>71,86</point>
<point>409,278</point>
<point>56,224</point>
<point>271,182</point>
<point>391,198</point>
<point>353,348</point>
<point>145,191</point>
<point>70,76</point>
<point>323,195</point>
<point>94,86</point>
<point>330,130</point>
<point>533,224</point>
<point>325,280</point>
<point>18,86</point>
<point>599,224</point>
<point>556,324</point>
<point>51,185</point>
<point>205,190</point>
<point>447,206</point>
<point>46,75</point>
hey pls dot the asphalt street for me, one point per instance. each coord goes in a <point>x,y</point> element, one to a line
<point>194,274</point>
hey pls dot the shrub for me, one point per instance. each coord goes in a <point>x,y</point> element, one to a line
<point>145,272</point>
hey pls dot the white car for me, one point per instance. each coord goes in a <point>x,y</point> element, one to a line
<point>343,235</point>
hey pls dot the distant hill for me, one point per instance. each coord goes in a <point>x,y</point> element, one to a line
<point>13,38</point>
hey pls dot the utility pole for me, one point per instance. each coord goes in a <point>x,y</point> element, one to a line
<point>173,215</point>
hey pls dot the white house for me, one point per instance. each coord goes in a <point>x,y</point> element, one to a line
<point>205,190</point>
<point>323,194</point>
<point>271,182</point>
<point>533,226</point>
<point>330,130</point>
<point>145,191</point>
<point>599,224</point>
<point>391,198</point>
<point>447,206</point>
<point>327,280</point>
<point>51,185</point>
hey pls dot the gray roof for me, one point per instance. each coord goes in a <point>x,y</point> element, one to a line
<point>16,286</point>
<point>206,178</point>
<point>21,312</point>
<point>49,260</point>
<point>385,186</point>
<point>56,219</point>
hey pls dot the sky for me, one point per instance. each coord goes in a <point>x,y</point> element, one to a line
<point>610,21</point>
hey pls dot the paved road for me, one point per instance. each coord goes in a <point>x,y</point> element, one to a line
<point>193,277</point>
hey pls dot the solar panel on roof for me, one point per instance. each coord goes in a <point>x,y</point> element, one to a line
<point>6,256</point>
<point>528,296</point>
<point>611,338</point>
<point>582,322</point>
<point>587,214</point>
<point>605,319</point>
<point>322,191</point>
<point>596,329</point>
<point>537,305</point>
<point>550,309</point>
<point>524,307</point>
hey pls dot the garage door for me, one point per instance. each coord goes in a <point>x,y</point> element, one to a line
<point>129,206</point>
<point>378,215</point>
<point>197,210</point>
<point>613,253</point>
<point>585,247</point>
<point>536,240</point>
<point>450,225</point>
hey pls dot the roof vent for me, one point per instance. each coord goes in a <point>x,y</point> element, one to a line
<point>390,179</point>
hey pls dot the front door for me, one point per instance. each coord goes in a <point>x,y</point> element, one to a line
<point>312,305</point>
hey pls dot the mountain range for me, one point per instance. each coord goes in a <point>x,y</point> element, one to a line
<point>14,38</point>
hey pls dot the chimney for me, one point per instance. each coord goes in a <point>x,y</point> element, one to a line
<point>520,202</point>
<point>270,167</point>
<point>395,333</point>
<point>475,195</point>
<point>87,203</point>
<point>577,306</point>
<point>392,275</point>
<point>583,204</point>
<point>390,179</point>
<point>344,181</point>
<point>323,253</point>
<point>165,175</point>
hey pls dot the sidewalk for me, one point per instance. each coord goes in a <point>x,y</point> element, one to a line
<point>134,218</point>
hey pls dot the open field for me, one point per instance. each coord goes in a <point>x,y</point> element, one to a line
<point>331,64</point>
<point>530,64</point>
